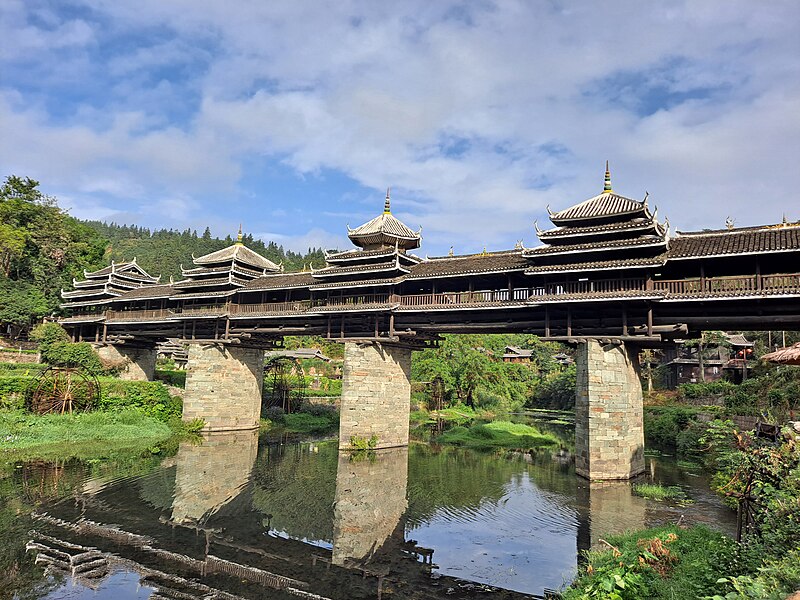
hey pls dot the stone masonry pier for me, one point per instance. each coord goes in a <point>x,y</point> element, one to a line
<point>135,363</point>
<point>223,386</point>
<point>609,433</point>
<point>376,394</point>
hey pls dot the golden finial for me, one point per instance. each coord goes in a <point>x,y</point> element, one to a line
<point>607,184</point>
<point>239,236</point>
<point>484,253</point>
<point>387,205</point>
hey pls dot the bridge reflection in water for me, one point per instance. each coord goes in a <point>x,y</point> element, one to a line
<point>227,519</point>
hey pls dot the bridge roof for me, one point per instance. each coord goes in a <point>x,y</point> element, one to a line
<point>597,246</point>
<point>280,281</point>
<point>148,292</point>
<point>240,253</point>
<point>726,242</point>
<point>602,206</point>
<point>600,265</point>
<point>493,262</point>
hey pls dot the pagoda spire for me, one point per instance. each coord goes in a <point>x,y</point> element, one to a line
<point>607,184</point>
<point>239,236</point>
<point>387,209</point>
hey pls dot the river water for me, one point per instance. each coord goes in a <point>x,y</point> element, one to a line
<point>238,516</point>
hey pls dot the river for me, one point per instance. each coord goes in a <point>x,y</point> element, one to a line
<point>238,516</point>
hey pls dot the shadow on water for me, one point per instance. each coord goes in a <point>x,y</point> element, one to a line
<point>237,515</point>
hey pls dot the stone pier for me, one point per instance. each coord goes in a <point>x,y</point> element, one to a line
<point>135,363</point>
<point>609,433</point>
<point>376,394</point>
<point>223,386</point>
<point>369,505</point>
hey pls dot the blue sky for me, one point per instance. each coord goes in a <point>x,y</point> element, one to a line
<point>294,117</point>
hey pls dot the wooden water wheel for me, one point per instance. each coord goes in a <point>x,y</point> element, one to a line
<point>64,390</point>
<point>284,383</point>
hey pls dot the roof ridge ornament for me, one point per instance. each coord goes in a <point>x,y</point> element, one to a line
<point>729,223</point>
<point>646,195</point>
<point>387,205</point>
<point>239,237</point>
<point>536,227</point>
<point>549,212</point>
<point>607,189</point>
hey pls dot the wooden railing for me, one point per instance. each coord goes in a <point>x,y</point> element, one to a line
<point>298,306</point>
<point>354,300</point>
<point>138,315</point>
<point>87,316</point>
<point>212,310</point>
<point>731,286</point>
<point>459,298</point>
<point>596,286</point>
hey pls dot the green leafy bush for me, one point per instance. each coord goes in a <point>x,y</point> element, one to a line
<point>150,397</point>
<point>663,425</point>
<point>174,378</point>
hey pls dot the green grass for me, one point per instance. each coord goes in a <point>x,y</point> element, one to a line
<point>656,491</point>
<point>695,560</point>
<point>100,434</point>
<point>498,434</point>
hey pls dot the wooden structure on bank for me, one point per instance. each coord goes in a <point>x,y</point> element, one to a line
<point>607,269</point>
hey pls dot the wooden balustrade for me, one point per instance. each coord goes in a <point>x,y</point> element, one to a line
<point>138,315</point>
<point>298,306</point>
<point>214,310</point>
<point>459,298</point>
<point>351,300</point>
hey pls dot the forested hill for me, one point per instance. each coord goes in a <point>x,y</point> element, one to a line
<point>163,251</point>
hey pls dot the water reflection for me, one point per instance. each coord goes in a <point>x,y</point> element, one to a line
<point>236,518</point>
<point>370,503</point>
<point>210,475</point>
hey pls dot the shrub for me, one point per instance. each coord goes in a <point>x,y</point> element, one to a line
<point>664,424</point>
<point>171,377</point>
<point>150,397</point>
<point>274,414</point>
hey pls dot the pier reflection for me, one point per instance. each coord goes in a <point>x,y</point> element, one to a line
<point>369,504</point>
<point>211,474</point>
<point>607,508</point>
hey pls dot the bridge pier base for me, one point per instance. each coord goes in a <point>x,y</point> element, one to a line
<point>376,394</point>
<point>609,432</point>
<point>223,386</point>
<point>135,363</point>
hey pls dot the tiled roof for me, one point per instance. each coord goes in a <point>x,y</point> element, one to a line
<point>202,295</point>
<point>357,283</point>
<point>638,224</point>
<point>240,253</point>
<point>150,291</point>
<point>465,265</point>
<point>211,282</point>
<point>356,255</point>
<point>279,282</point>
<point>597,246</point>
<point>385,228</point>
<point>601,265</point>
<point>368,268</point>
<point>735,241</point>
<point>602,206</point>
<point>587,296</point>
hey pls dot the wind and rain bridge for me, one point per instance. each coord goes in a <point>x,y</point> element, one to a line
<point>609,276</point>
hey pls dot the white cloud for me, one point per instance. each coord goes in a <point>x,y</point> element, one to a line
<point>535,96</point>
